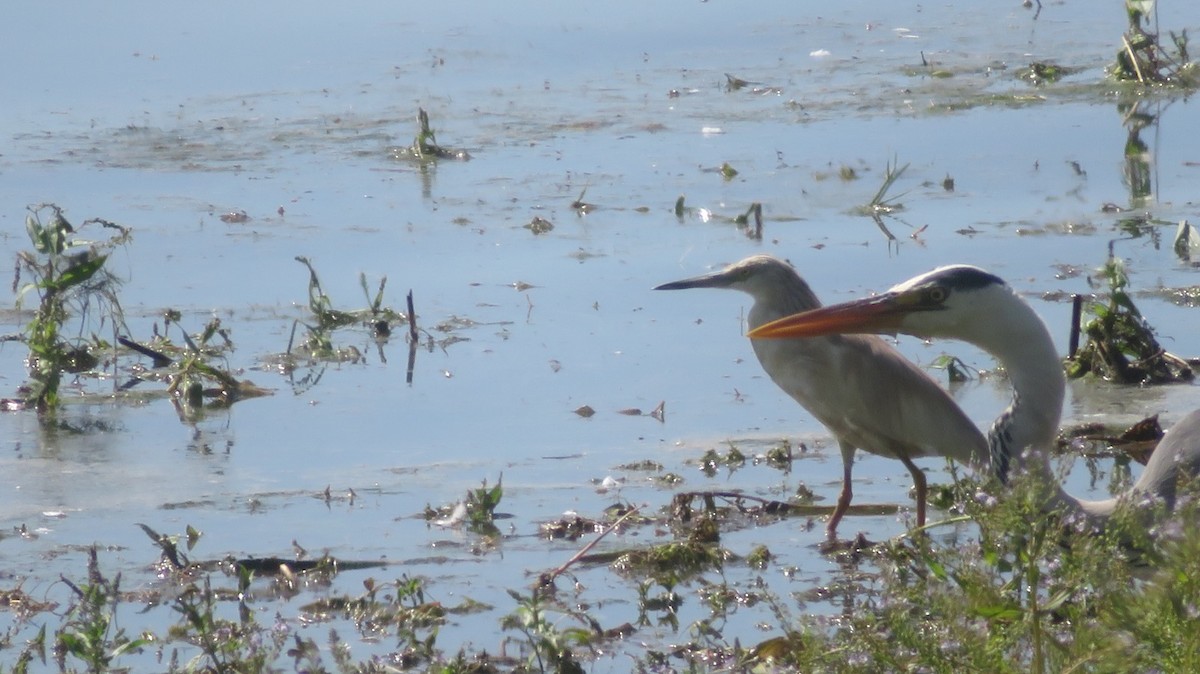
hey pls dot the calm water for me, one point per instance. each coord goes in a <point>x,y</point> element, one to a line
<point>164,119</point>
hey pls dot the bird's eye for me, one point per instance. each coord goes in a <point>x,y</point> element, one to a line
<point>937,294</point>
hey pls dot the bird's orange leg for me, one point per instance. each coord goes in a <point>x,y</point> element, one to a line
<point>843,502</point>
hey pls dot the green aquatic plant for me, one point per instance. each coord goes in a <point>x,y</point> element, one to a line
<point>319,345</point>
<point>743,221</point>
<point>90,632</point>
<point>476,511</point>
<point>1029,591</point>
<point>881,203</point>
<point>66,273</point>
<point>1144,59</point>
<point>1121,344</point>
<point>482,503</point>
<point>550,648</point>
<point>425,147</point>
<point>712,461</point>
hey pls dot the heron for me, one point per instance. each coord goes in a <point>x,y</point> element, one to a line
<point>969,304</point>
<point>868,395</point>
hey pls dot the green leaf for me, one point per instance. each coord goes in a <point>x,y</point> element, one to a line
<point>37,234</point>
<point>1005,613</point>
<point>82,268</point>
<point>936,568</point>
<point>1055,601</point>
<point>133,645</point>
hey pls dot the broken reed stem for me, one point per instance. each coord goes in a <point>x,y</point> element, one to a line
<point>412,319</point>
<point>412,338</point>
<point>1076,316</point>
<point>1133,60</point>
<point>585,549</point>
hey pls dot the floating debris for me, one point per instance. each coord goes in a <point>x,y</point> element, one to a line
<point>539,225</point>
<point>1187,241</point>
<point>235,217</point>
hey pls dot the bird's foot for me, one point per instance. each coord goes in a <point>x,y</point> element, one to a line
<point>833,545</point>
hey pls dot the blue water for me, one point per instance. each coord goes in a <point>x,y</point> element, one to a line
<point>162,118</point>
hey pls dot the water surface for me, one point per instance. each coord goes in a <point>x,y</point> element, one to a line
<point>163,120</point>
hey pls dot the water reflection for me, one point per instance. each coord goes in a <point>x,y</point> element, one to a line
<point>1138,176</point>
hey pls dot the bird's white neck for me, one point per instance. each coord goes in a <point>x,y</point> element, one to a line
<point>1023,435</point>
<point>1031,421</point>
<point>1022,344</point>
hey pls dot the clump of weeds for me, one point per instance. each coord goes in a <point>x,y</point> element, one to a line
<point>425,147</point>
<point>881,203</point>
<point>1121,345</point>
<point>318,347</point>
<point>1144,59</point>
<point>326,319</point>
<point>194,378</point>
<point>1042,73</point>
<point>66,274</point>
<point>195,381</point>
<point>477,511</point>
<point>712,461</point>
<point>90,633</point>
<point>548,646</point>
<point>400,609</point>
<point>1031,591</point>
<point>77,296</point>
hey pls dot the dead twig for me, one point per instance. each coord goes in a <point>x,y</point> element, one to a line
<point>548,578</point>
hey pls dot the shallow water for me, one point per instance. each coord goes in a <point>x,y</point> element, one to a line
<point>162,121</point>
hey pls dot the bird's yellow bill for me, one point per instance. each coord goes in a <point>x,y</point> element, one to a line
<point>871,315</point>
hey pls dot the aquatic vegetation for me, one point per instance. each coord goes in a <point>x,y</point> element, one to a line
<point>550,647</point>
<point>425,147</point>
<point>754,232</point>
<point>477,510</point>
<point>539,225</point>
<point>1041,73</point>
<point>881,203</point>
<point>89,632</point>
<point>66,274</point>
<point>1018,591</point>
<point>1143,58</point>
<point>318,348</point>
<point>750,221</point>
<point>1121,344</point>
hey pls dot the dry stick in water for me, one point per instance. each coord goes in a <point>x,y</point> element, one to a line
<point>413,340</point>
<point>584,550</point>
<point>1076,315</point>
<point>412,318</point>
